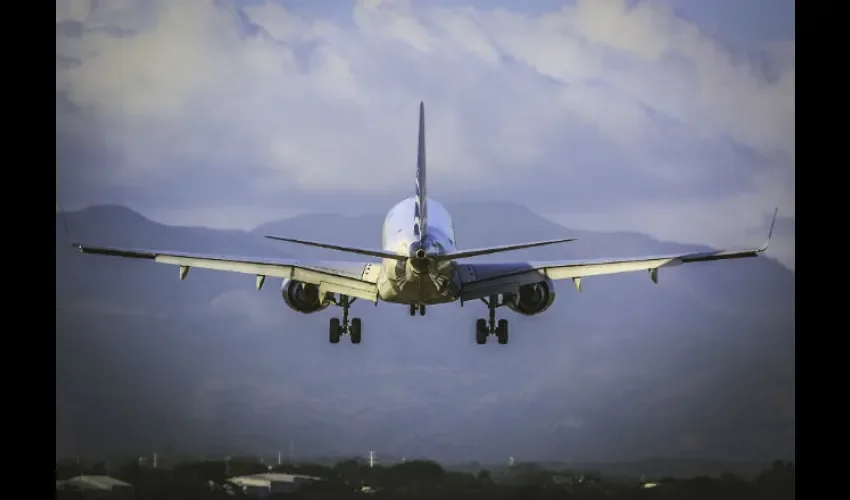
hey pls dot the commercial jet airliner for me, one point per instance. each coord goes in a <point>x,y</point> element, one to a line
<point>420,265</point>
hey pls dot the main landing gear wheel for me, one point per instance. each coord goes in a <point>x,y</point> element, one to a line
<point>481,331</point>
<point>484,327</point>
<point>342,327</point>
<point>502,331</point>
<point>335,330</point>
<point>354,330</point>
<point>419,307</point>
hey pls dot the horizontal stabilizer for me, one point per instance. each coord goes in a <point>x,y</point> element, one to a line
<point>381,254</point>
<point>460,254</point>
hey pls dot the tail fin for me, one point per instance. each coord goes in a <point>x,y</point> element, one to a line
<point>420,214</point>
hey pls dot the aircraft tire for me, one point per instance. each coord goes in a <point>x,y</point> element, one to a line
<point>333,334</point>
<point>502,331</point>
<point>481,331</point>
<point>355,330</point>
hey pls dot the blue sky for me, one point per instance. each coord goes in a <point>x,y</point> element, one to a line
<point>671,118</point>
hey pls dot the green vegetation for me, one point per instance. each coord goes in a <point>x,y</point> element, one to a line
<point>422,479</point>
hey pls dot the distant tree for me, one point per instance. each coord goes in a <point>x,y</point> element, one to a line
<point>531,474</point>
<point>458,480</point>
<point>778,481</point>
<point>413,474</point>
<point>246,467</point>
<point>348,471</point>
<point>731,478</point>
<point>314,470</point>
<point>101,468</point>
<point>67,470</point>
<point>483,477</point>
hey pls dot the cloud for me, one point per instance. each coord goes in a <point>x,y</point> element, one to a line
<point>623,112</point>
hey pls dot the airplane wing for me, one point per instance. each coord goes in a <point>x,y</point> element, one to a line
<point>485,279</point>
<point>356,279</point>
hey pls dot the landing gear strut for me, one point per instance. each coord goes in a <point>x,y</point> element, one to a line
<point>419,307</point>
<point>486,327</point>
<point>343,327</point>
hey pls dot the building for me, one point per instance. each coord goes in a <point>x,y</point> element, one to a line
<point>97,486</point>
<point>267,483</point>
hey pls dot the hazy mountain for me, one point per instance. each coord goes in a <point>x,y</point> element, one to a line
<point>700,365</point>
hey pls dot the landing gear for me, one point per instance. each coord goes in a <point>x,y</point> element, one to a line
<point>485,327</point>
<point>481,331</point>
<point>502,331</point>
<point>354,330</point>
<point>342,327</point>
<point>335,331</point>
<point>419,307</point>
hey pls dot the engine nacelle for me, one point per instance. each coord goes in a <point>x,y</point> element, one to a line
<point>532,299</point>
<point>302,297</point>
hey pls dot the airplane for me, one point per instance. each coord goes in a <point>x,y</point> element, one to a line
<point>420,265</point>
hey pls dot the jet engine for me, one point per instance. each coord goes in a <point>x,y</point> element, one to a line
<point>532,299</point>
<point>302,297</point>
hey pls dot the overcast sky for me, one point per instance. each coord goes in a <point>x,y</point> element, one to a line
<point>673,118</point>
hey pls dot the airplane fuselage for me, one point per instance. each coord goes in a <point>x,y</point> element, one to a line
<point>399,281</point>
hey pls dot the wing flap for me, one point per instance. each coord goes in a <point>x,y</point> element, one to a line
<point>354,279</point>
<point>481,280</point>
<point>496,278</point>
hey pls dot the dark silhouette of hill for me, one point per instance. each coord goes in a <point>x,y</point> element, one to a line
<point>700,365</point>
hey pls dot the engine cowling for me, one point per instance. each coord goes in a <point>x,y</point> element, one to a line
<point>302,297</point>
<point>532,299</point>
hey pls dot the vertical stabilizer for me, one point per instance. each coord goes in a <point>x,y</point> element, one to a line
<point>420,214</point>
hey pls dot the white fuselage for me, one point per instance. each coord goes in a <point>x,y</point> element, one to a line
<point>398,281</point>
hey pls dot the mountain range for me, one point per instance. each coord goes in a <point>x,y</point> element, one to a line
<point>700,365</point>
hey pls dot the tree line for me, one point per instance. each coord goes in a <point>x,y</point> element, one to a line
<point>424,479</point>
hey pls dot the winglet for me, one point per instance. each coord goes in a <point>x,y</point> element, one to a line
<point>64,221</point>
<point>770,232</point>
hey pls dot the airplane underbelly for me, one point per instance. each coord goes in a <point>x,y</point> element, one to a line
<point>399,287</point>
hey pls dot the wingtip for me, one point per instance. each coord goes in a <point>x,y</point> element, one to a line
<point>770,231</point>
<point>773,222</point>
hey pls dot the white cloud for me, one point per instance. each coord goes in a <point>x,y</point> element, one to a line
<point>515,102</point>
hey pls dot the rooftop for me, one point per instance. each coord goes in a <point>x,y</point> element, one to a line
<point>101,483</point>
